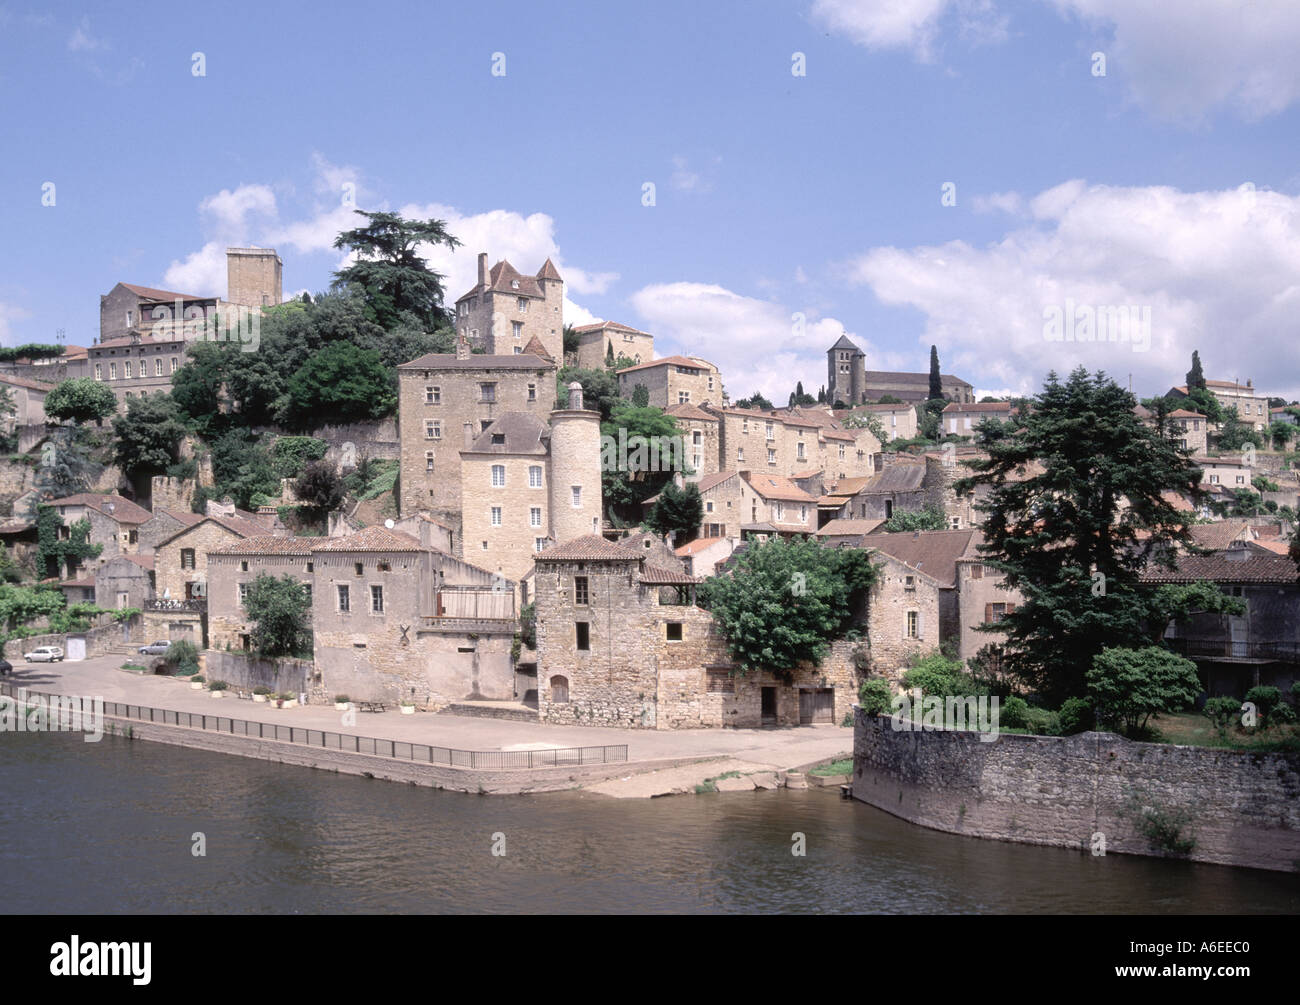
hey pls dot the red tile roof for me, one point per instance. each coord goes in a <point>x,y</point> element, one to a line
<point>654,576</point>
<point>266,545</point>
<point>669,361</point>
<point>150,293</point>
<point>124,510</point>
<point>590,547</point>
<point>371,539</point>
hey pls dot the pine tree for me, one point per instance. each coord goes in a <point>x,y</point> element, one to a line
<point>936,382</point>
<point>609,355</point>
<point>1196,376</point>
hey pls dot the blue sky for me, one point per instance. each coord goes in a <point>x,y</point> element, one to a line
<point>788,209</point>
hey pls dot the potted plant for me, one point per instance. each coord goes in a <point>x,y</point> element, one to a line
<point>196,683</point>
<point>218,688</point>
<point>290,700</point>
<point>260,692</point>
<point>407,707</point>
<point>342,702</point>
<point>277,701</point>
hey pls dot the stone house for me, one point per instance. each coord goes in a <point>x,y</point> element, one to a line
<point>1188,429</point>
<point>162,524</point>
<point>905,613</point>
<point>914,387</point>
<point>897,488</point>
<point>791,445</point>
<point>125,581</point>
<point>621,643</point>
<point>115,522</point>
<point>1251,407</point>
<point>596,340</point>
<point>506,310</point>
<point>962,418</point>
<point>1226,472</point>
<point>700,438</point>
<point>776,506</point>
<point>702,556</point>
<point>137,365</point>
<point>445,402</point>
<point>673,380</point>
<point>898,420</point>
<point>844,532</point>
<point>28,396</point>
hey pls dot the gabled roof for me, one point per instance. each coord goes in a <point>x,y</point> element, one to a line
<point>902,477</point>
<point>1217,536</point>
<point>698,545</point>
<point>31,385</point>
<point>689,411</point>
<point>1244,565</point>
<point>521,433</point>
<point>776,487</point>
<point>695,363</point>
<point>371,539</point>
<point>848,528</point>
<point>933,552</point>
<point>123,510</point>
<point>898,375</point>
<point>238,526</point>
<point>590,547</point>
<point>549,271</point>
<point>602,325</point>
<point>535,347</point>
<point>978,406</point>
<point>715,479</point>
<point>150,293</point>
<point>183,517</point>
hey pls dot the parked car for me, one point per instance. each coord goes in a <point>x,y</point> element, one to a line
<point>6,668</point>
<point>44,654</point>
<point>155,649</point>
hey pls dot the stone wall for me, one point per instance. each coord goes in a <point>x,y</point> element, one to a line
<point>241,670</point>
<point>1242,808</point>
<point>891,646</point>
<point>99,640</point>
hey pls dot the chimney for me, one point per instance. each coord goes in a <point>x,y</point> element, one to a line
<point>469,435</point>
<point>575,396</point>
<point>462,347</point>
<point>482,268</point>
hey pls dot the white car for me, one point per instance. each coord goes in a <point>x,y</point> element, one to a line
<point>44,654</point>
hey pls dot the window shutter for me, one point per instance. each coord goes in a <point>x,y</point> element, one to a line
<point>988,613</point>
<point>920,625</point>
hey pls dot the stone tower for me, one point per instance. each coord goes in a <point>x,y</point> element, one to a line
<point>846,372</point>
<point>575,490</point>
<point>254,277</point>
<point>507,309</point>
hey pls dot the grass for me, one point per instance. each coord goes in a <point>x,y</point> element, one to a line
<point>710,784</point>
<point>132,666</point>
<point>1192,729</point>
<point>844,767</point>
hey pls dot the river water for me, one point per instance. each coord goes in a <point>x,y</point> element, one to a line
<point>109,827</point>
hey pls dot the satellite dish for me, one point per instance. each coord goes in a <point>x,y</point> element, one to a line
<point>389,524</point>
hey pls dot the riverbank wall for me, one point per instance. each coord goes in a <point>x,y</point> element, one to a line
<point>1096,792</point>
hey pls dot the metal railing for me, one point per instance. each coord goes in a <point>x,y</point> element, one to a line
<point>193,604</point>
<point>402,750</point>
<point>1223,647</point>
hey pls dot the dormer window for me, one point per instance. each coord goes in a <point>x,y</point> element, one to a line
<point>514,284</point>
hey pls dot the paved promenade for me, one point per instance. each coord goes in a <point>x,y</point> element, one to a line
<point>718,750</point>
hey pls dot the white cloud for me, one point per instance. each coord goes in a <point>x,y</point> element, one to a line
<point>910,24</point>
<point>227,213</point>
<point>998,202</point>
<point>82,40</point>
<point>1181,60</point>
<point>8,314</point>
<point>756,344</point>
<point>1220,272</point>
<point>687,179</point>
<point>229,218</point>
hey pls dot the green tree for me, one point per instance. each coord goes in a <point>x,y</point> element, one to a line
<point>199,388</point>
<point>641,396</point>
<point>1235,434</point>
<point>755,401</point>
<point>281,616</point>
<point>571,339</point>
<point>80,400</point>
<point>930,518</point>
<point>1177,604</point>
<point>59,555</point>
<point>609,356</point>
<point>784,601</point>
<point>319,487</point>
<point>389,271</point>
<point>242,468</point>
<point>147,439</point>
<point>599,389</point>
<point>677,511</point>
<point>936,381</point>
<point>1196,376</point>
<point>652,451</point>
<point>67,466</point>
<point>1063,537</point>
<point>339,384</point>
<point>1128,686</point>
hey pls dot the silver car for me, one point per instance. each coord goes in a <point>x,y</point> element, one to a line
<point>44,654</point>
<point>155,649</point>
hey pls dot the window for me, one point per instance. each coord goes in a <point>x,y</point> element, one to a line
<point>157,366</point>
<point>577,496</point>
<point>560,690</point>
<point>243,566</point>
<point>128,319</point>
<point>708,506</point>
<point>683,397</point>
<point>913,625</point>
<point>99,371</point>
<point>1241,479</point>
<point>532,392</point>
<point>433,429</point>
<point>1214,479</point>
<point>740,455</point>
<point>243,593</point>
<point>311,566</point>
<point>175,364</point>
<point>112,371</point>
<point>534,516</point>
<point>580,595</point>
<point>187,558</point>
<point>496,516</point>
<point>770,436</point>
<point>710,382</point>
<point>803,514</point>
<point>126,370</point>
<point>744,426</point>
<point>487,392</point>
<point>433,395</point>
<point>539,543</point>
<point>517,329</point>
<point>778,511</point>
<point>841,451</point>
<point>518,351</point>
<point>771,456</point>
<point>498,439</point>
<point>799,453</point>
<point>376,600</point>
<point>535,476</point>
<point>357,568</point>
<point>498,476</point>
<point>977,571</point>
<point>993,613</point>
<point>345,603</point>
<point>674,633</point>
<point>584,635</point>
<point>909,582</point>
<point>428,460</point>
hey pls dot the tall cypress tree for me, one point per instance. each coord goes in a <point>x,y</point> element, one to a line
<point>936,383</point>
<point>1195,376</point>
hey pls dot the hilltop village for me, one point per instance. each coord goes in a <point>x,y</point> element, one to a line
<point>525,519</point>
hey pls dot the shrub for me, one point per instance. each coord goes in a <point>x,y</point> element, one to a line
<point>1042,721</point>
<point>1076,716</point>
<point>1014,713</point>
<point>182,651</point>
<point>875,695</point>
<point>341,699</point>
<point>1282,715</point>
<point>217,685</point>
<point>1221,712</point>
<point>260,689</point>
<point>937,675</point>
<point>406,703</point>
<point>188,668</point>
<point>1265,699</point>
<point>198,679</point>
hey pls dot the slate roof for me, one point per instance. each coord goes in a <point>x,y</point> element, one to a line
<point>601,325</point>
<point>689,411</point>
<point>845,343</point>
<point>31,385</point>
<point>523,433</point>
<point>697,364</point>
<point>848,528</point>
<point>1258,566</point>
<point>895,478</point>
<point>590,547</point>
<point>978,406</point>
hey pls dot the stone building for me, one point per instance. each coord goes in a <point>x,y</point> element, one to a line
<point>848,380</point>
<point>28,397</point>
<point>1188,429</point>
<point>162,524</point>
<point>115,522</point>
<point>254,277</point>
<point>1251,407</point>
<point>673,380</point>
<point>136,365</point>
<point>963,418</point>
<point>898,420</point>
<point>445,402</point>
<point>701,439</point>
<point>775,506</point>
<point>1226,472</point>
<point>125,581</point>
<point>506,310</point>
<point>621,643</point>
<point>128,308</point>
<point>791,445</point>
<point>845,369</point>
<point>595,342</point>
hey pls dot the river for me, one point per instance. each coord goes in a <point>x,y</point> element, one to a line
<point>109,827</point>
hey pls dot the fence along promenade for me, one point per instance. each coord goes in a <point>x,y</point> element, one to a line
<point>402,750</point>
